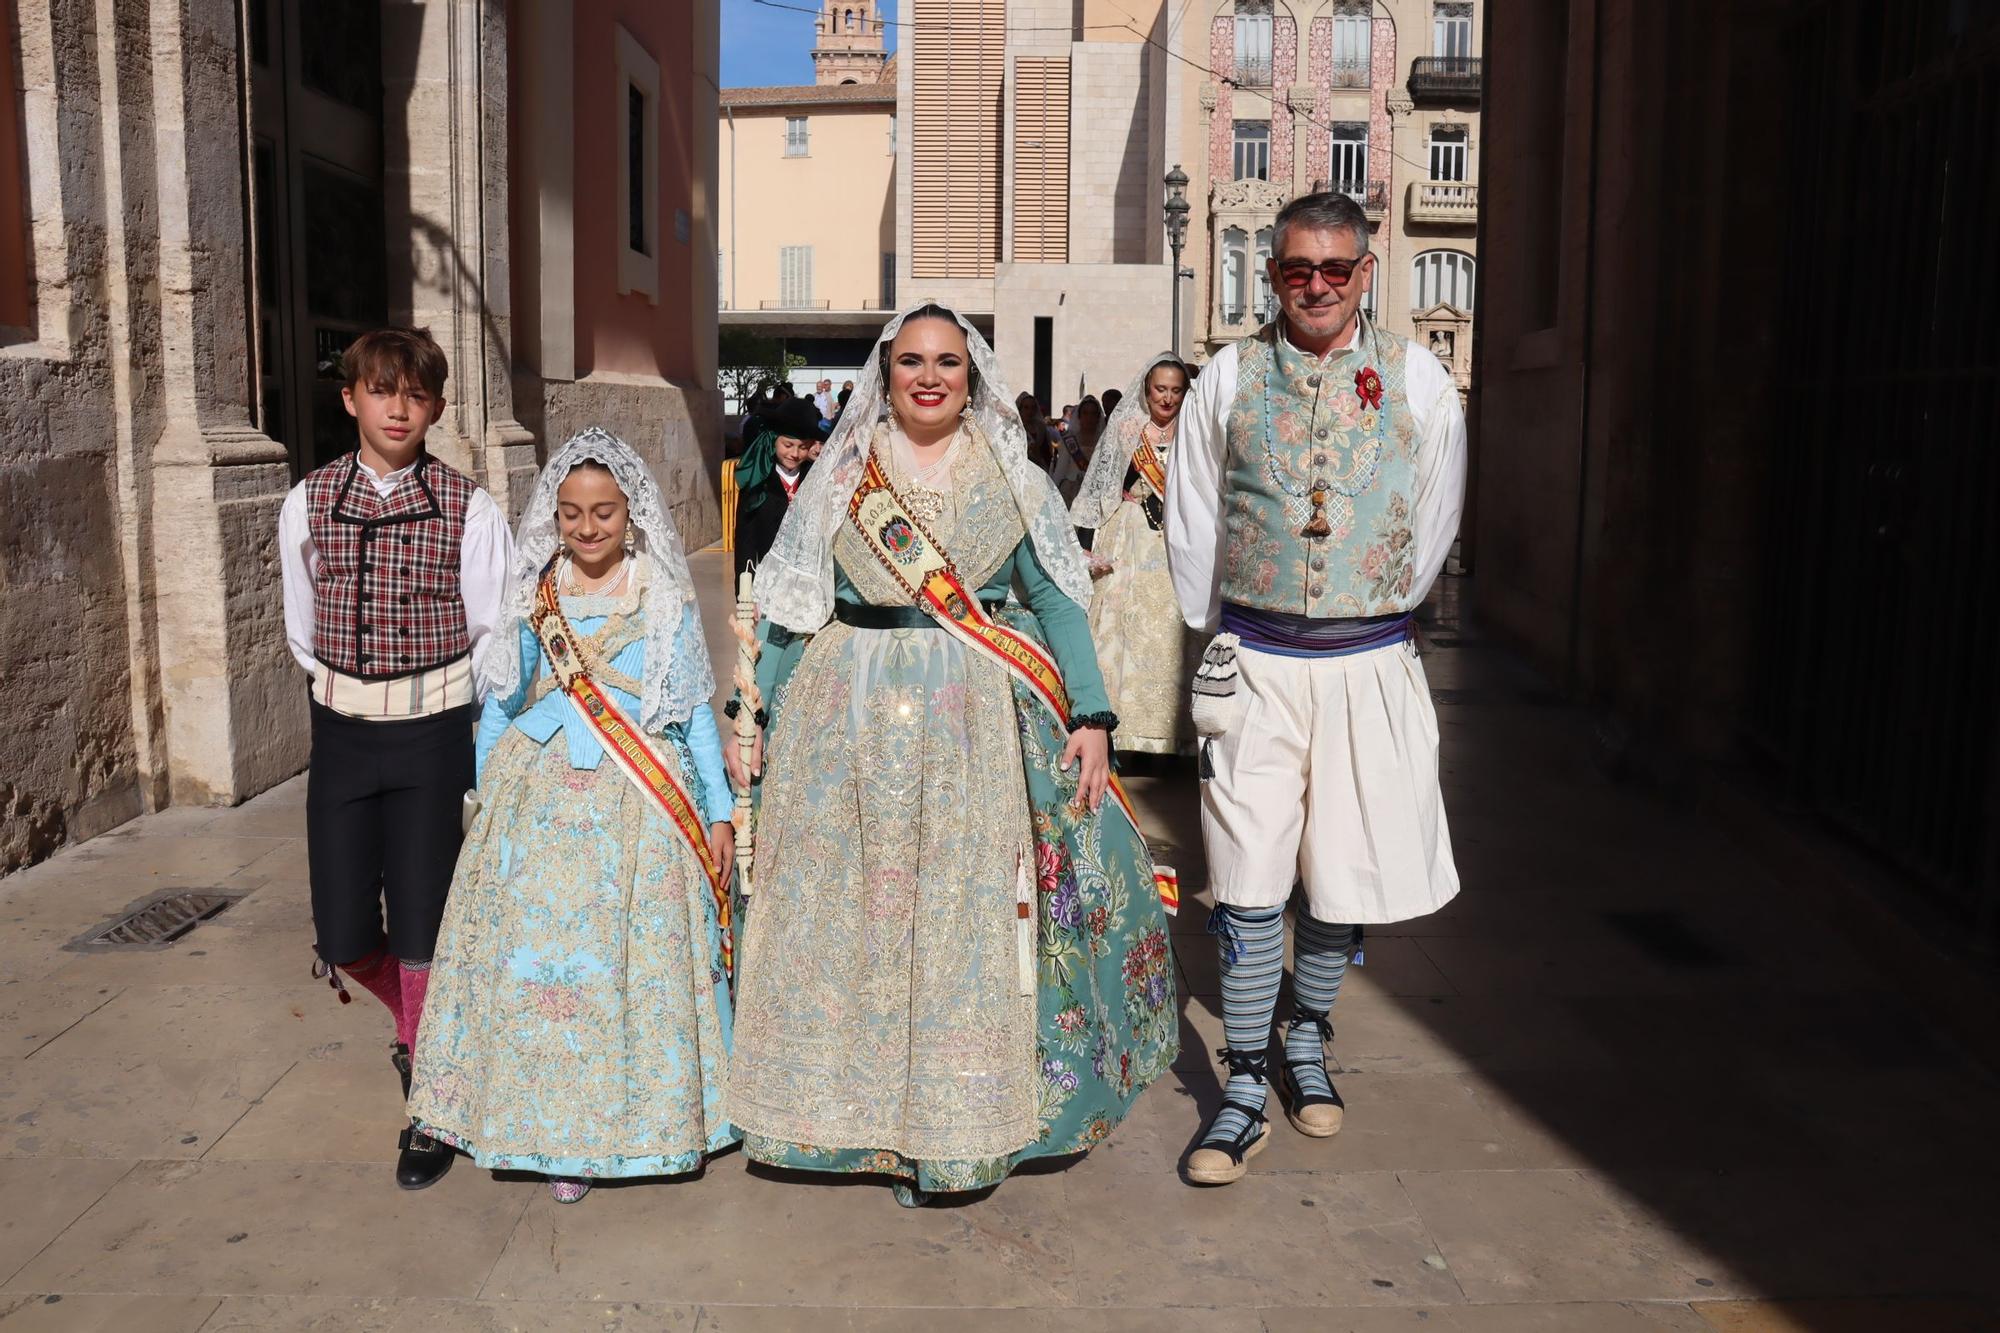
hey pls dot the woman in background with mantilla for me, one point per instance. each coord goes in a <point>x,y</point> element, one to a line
<point>1145,652</point>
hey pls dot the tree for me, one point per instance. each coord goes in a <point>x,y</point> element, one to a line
<point>747,361</point>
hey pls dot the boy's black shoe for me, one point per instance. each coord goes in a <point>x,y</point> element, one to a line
<point>421,1160</point>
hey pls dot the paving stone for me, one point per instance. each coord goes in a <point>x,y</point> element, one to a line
<point>1849,1316</point>
<point>222,951</point>
<point>44,1195</point>
<point>54,1106</point>
<point>57,1313</point>
<point>184,1228</point>
<point>1350,1239</point>
<point>1395,1122</point>
<point>741,1237</point>
<point>302,1021</point>
<point>278,1314</point>
<point>1577,1317</point>
<point>1557,1236</point>
<point>35,1013</point>
<point>321,1111</point>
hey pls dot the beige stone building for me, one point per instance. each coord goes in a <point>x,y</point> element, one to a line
<point>1039,133</point>
<point>1017,150</point>
<point>806,203</point>
<point>201,203</point>
<point>1379,98</point>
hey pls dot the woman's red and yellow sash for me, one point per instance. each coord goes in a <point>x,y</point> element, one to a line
<point>1147,459</point>
<point>625,743</point>
<point>923,569</point>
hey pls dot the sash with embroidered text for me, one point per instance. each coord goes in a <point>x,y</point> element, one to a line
<point>625,743</point>
<point>923,569</point>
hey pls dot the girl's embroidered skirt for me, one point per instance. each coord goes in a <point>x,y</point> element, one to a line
<point>578,1020</point>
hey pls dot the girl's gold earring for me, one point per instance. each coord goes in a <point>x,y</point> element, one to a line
<point>629,542</point>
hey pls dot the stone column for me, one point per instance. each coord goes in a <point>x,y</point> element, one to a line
<point>444,135</point>
<point>234,700</point>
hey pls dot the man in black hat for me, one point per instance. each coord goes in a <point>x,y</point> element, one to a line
<point>769,473</point>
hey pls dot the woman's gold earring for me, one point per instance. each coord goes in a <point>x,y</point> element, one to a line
<point>630,543</point>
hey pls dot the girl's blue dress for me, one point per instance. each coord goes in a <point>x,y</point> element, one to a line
<point>578,1021</point>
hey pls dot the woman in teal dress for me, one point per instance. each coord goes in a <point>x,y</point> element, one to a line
<point>578,1020</point>
<point>956,958</point>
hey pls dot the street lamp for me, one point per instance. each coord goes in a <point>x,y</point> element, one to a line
<point>1176,210</point>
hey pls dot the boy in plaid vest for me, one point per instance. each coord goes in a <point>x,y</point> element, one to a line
<point>394,570</point>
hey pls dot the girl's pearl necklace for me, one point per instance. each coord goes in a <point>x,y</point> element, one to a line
<point>575,586</point>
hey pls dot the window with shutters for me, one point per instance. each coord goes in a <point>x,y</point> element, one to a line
<point>1442,276</point>
<point>1235,275</point>
<point>795,275</point>
<point>1448,143</point>
<point>1451,29</point>
<point>1253,150</point>
<point>637,216</point>
<point>1253,43</point>
<point>1347,173</point>
<point>796,142</point>
<point>1041,161</point>
<point>1264,302</point>
<point>1353,37</point>
<point>957,55</point>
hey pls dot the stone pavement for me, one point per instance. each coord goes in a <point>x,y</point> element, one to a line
<point>1623,1083</point>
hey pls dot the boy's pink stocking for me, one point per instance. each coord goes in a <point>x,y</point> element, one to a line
<point>375,972</point>
<point>416,983</point>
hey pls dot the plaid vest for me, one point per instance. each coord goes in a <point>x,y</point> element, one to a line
<point>386,598</point>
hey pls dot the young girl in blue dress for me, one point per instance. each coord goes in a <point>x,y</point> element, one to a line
<point>579,1016</point>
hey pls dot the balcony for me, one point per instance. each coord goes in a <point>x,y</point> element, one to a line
<point>1252,72</point>
<point>1373,196</point>
<point>1350,74</point>
<point>1444,79</point>
<point>1442,203</point>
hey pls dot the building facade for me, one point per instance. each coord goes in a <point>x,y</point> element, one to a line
<point>1017,150</point>
<point>213,198</point>
<point>806,201</point>
<point>1376,98</point>
<point>1039,133</point>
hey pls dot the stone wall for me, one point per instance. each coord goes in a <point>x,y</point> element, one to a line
<point>1114,173</point>
<point>1623,398</point>
<point>676,427</point>
<point>1108,319</point>
<point>140,624</point>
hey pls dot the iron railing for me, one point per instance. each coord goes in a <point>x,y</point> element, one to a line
<point>1350,74</point>
<point>1445,78</point>
<point>1373,196</point>
<point>1252,72</point>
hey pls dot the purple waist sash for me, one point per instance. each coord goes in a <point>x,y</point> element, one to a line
<point>1307,636</point>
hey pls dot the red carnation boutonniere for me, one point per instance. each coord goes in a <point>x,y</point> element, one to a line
<point>1368,384</point>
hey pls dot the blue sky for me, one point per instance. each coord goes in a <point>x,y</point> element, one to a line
<point>762,44</point>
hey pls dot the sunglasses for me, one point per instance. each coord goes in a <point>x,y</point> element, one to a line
<point>1297,273</point>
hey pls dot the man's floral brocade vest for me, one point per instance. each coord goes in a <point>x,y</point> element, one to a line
<point>1321,434</point>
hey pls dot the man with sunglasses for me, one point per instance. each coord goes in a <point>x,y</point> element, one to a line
<point>1313,497</point>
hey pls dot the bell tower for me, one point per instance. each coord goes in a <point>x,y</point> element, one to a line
<point>849,46</point>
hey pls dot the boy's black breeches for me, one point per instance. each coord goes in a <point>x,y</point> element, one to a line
<point>382,825</point>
